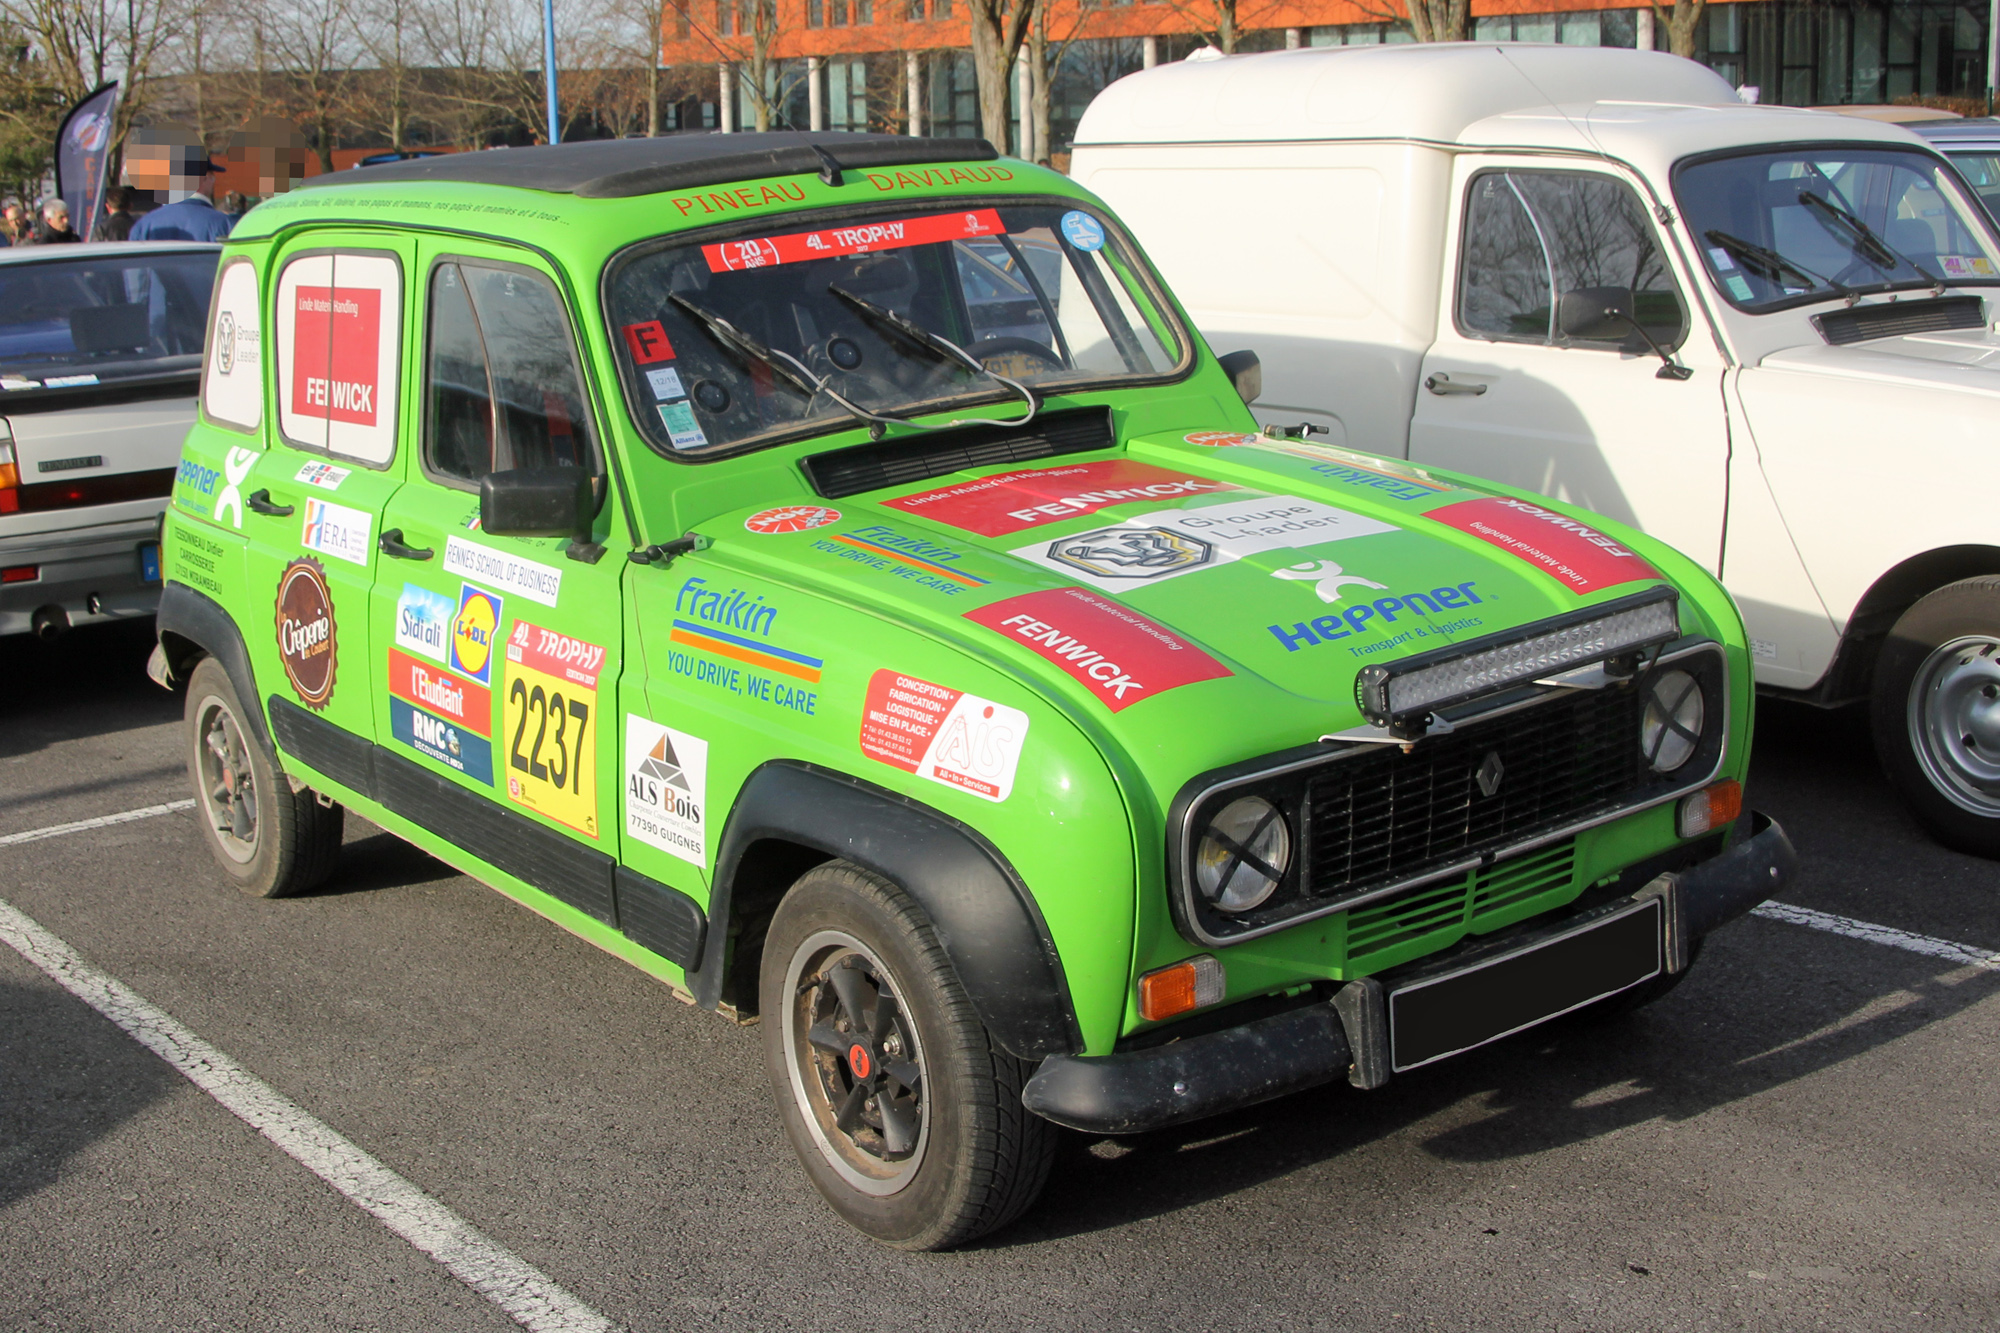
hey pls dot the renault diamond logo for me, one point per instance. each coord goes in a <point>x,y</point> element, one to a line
<point>1491,770</point>
<point>1131,553</point>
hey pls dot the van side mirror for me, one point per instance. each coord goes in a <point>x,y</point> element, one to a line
<point>537,502</point>
<point>1596,314</point>
<point>1247,373</point>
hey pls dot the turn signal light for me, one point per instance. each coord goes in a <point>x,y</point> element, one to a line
<point>1710,808</point>
<point>1190,984</point>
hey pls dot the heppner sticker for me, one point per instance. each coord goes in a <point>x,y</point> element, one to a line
<point>423,621</point>
<point>1579,557</point>
<point>1120,656</point>
<point>337,530</point>
<point>957,739</point>
<point>1016,501</point>
<point>1172,542</point>
<point>666,789</point>
<point>536,582</point>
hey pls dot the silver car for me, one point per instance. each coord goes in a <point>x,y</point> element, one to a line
<point>100,358</point>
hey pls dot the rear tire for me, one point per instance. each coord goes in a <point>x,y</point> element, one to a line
<point>269,840</point>
<point>1936,713</point>
<point>905,1113</point>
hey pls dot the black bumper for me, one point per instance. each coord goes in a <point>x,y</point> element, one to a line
<point>1204,1075</point>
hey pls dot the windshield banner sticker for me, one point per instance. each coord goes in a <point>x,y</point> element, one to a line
<point>959,740</point>
<point>1016,501</point>
<point>536,582</point>
<point>1172,542</point>
<point>1580,558</point>
<point>666,789</point>
<point>548,724</point>
<point>859,239</point>
<point>1120,656</point>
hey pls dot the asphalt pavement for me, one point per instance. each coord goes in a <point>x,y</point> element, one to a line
<point>1801,1136</point>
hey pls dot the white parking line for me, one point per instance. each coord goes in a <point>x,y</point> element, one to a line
<point>524,1292</point>
<point>1929,945</point>
<point>102,821</point>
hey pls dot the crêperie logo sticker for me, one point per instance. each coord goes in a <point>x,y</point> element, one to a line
<point>791,518</point>
<point>306,644</point>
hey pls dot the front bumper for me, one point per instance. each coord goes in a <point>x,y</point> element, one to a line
<point>1199,1076</point>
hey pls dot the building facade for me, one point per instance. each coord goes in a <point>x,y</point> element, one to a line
<point>905,66</point>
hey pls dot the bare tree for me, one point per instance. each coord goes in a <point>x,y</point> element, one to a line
<point>313,42</point>
<point>1680,19</point>
<point>82,44</point>
<point>999,27</point>
<point>643,24</point>
<point>389,33</point>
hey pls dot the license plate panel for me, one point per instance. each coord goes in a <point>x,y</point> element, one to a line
<point>149,562</point>
<point>1442,1016</point>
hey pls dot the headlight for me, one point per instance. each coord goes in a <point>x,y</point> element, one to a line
<point>1670,732</point>
<point>1243,854</point>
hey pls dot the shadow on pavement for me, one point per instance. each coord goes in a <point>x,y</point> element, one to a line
<point>67,1079</point>
<point>371,860</point>
<point>90,682</point>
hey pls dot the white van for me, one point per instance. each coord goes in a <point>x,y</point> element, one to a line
<point>1762,334</point>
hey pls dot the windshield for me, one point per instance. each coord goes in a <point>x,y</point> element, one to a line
<point>1981,169</point>
<point>94,320</point>
<point>1778,229</point>
<point>761,337</point>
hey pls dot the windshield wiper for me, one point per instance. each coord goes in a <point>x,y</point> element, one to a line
<point>1861,238</point>
<point>782,364</point>
<point>1769,264</point>
<point>912,332</point>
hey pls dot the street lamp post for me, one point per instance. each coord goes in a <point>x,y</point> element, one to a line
<point>549,65</point>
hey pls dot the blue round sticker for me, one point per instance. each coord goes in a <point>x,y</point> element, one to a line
<point>1083,231</point>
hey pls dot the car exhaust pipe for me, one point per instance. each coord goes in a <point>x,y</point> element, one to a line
<point>50,623</point>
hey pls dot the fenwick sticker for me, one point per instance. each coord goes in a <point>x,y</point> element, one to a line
<point>1120,656</point>
<point>306,642</point>
<point>1581,558</point>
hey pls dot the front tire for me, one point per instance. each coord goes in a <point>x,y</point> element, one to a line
<point>905,1114</point>
<point>1936,713</point>
<point>269,840</point>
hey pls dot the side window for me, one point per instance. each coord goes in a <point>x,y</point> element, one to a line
<point>501,384</point>
<point>1532,233</point>
<point>339,333</point>
<point>232,383</point>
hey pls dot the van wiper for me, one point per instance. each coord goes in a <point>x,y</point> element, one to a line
<point>914,333</point>
<point>1769,264</point>
<point>1859,237</point>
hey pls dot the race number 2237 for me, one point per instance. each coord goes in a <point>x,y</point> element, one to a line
<point>549,717</point>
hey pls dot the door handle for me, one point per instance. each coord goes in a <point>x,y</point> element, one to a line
<point>391,543</point>
<point>1441,385</point>
<point>260,503</point>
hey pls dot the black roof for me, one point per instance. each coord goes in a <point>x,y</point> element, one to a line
<point>622,168</point>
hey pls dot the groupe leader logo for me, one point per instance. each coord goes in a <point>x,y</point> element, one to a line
<point>307,645</point>
<point>666,789</point>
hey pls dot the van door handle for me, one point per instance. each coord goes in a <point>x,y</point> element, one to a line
<point>391,543</point>
<point>1441,385</point>
<point>260,503</point>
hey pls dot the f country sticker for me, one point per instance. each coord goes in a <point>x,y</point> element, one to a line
<point>307,646</point>
<point>1120,656</point>
<point>1015,501</point>
<point>957,739</point>
<point>1580,558</point>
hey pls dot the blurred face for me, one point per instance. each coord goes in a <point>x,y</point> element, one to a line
<point>58,216</point>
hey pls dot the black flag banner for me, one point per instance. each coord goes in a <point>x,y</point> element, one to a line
<point>83,149</point>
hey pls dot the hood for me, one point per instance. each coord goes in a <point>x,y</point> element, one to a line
<point>1200,584</point>
<point>1960,361</point>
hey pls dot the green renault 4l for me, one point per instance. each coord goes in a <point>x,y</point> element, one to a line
<point>828,572</point>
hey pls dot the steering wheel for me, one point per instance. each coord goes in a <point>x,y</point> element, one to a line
<point>1016,358</point>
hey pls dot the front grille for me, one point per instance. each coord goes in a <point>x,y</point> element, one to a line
<point>1459,902</point>
<point>1896,319</point>
<point>1388,815</point>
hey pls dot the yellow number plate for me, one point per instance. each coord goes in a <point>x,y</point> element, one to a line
<point>549,716</point>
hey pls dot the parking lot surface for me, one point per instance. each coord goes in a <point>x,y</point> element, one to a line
<point>1801,1136</point>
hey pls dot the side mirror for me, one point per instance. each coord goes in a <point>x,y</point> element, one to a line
<point>1596,314</point>
<point>1247,373</point>
<point>537,502</point>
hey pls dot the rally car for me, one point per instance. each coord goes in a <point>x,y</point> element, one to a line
<point>673,535</point>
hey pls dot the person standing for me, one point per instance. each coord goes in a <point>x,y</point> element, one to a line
<point>116,224</point>
<point>52,227</point>
<point>194,217</point>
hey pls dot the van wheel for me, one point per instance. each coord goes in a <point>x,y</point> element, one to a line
<point>906,1115</point>
<point>1936,713</point>
<point>270,840</point>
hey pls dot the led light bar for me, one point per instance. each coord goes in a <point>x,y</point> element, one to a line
<point>1395,696</point>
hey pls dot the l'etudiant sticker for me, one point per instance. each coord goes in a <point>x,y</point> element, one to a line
<point>957,739</point>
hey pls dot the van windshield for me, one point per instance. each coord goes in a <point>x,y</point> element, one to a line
<point>1779,229</point>
<point>759,337</point>
<point>93,320</point>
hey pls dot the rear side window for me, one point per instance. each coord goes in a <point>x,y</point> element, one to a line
<point>339,333</point>
<point>501,388</point>
<point>1530,236</point>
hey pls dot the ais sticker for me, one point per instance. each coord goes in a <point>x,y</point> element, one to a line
<point>1082,230</point>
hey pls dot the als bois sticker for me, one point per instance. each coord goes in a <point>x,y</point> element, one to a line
<point>791,518</point>
<point>666,789</point>
<point>474,626</point>
<point>423,622</point>
<point>548,721</point>
<point>307,645</point>
<point>959,740</point>
<point>337,530</point>
<point>1082,230</point>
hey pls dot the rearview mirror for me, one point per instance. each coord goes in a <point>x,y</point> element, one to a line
<point>537,502</point>
<point>1247,373</point>
<point>1596,314</point>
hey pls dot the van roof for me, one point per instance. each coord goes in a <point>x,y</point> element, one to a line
<point>1431,91</point>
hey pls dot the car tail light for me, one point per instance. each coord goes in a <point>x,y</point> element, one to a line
<point>20,574</point>
<point>10,479</point>
<point>1713,806</point>
<point>1190,984</point>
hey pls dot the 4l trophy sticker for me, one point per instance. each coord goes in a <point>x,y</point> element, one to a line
<point>306,643</point>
